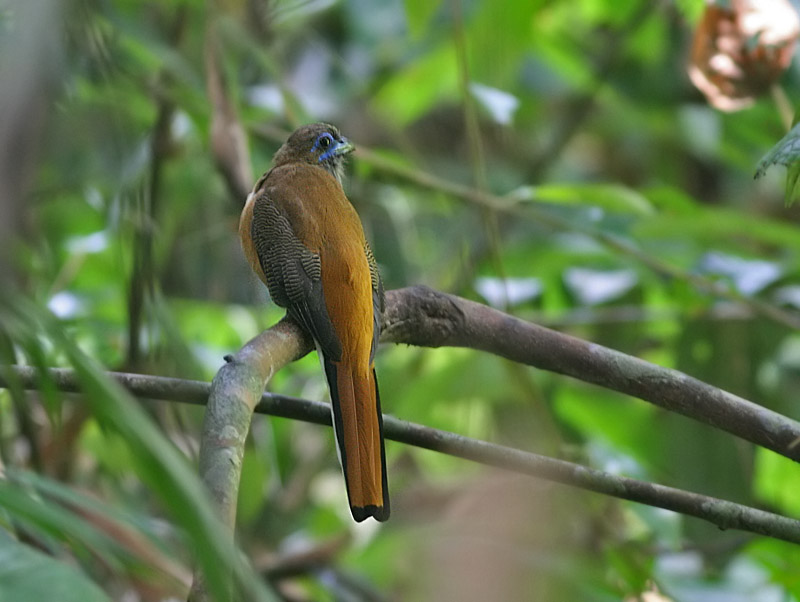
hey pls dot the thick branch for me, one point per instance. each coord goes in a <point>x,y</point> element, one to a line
<point>723,513</point>
<point>234,393</point>
<point>422,316</point>
<point>428,318</point>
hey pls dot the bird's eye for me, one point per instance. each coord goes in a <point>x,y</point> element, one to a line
<point>324,141</point>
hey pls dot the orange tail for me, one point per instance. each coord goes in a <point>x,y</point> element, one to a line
<point>358,424</point>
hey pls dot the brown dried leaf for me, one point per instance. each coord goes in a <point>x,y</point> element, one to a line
<point>741,49</point>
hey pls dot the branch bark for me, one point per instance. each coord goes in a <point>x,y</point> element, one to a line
<point>235,391</point>
<point>425,317</point>
<point>225,427</point>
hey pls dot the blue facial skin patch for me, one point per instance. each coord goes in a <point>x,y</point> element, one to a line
<point>331,149</point>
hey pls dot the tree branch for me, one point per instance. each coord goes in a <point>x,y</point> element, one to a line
<point>247,365</point>
<point>425,317</point>
<point>235,391</point>
<point>522,207</point>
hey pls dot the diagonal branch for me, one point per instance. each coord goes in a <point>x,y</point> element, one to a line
<point>424,317</point>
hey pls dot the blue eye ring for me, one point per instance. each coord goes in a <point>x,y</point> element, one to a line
<point>326,143</point>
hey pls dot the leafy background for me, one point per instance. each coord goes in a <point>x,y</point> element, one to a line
<point>628,188</point>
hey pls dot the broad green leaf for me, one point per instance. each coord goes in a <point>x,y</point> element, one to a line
<point>718,225</point>
<point>780,559</point>
<point>785,152</point>
<point>54,520</point>
<point>419,87</point>
<point>611,197</point>
<point>776,479</point>
<point>627,425</point>
<point>419,13</point>
<point>27,574</point>
<point>157,461</point>
<point>691,9</point>
<point>494,59</point>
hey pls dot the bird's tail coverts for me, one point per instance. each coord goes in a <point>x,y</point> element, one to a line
<point>358,423</point>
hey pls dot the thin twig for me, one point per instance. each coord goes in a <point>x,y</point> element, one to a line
<point>516,207</point>
<point>422,316</point>
<point>477,156</point>
<point>723,513</point>
<point>541,216</point>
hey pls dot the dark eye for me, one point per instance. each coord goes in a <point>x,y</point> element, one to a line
<point>324,141</point>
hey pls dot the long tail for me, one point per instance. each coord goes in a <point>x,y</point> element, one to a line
<point>358,424</point>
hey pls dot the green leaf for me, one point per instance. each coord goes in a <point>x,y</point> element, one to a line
<point>691,9</point>
<point>780,559</point>
<point>419,13</point>
<point>792,191</point>
<point>419,87</point>
<point>627,426</point>
<point>612,197</point>
<point>717,225</point>
<point>775,481</point>
<point>53,519</point>
<point>157,462</point>
<point>785,152</point>
<point>26,574</point>
<point>494,59</point>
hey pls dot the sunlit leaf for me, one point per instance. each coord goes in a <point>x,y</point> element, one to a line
<point>612,197</point>
<point>419,13</point>
<point>415,90</point>
<point>691,9</point>
<point>779,559</point>
<point>499,104</point>
<point>775,476</point>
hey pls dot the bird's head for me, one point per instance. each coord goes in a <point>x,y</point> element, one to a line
<point>318,144</point>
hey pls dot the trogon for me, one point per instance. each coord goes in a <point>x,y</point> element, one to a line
<point>305,241</point>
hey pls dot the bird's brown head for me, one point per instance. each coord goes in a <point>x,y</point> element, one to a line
<point>318,144</point>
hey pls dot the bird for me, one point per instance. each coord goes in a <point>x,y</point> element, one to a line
<point>305,241</point>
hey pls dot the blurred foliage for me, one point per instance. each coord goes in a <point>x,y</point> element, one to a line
<point>785,152</point>
<point>588,125</point>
